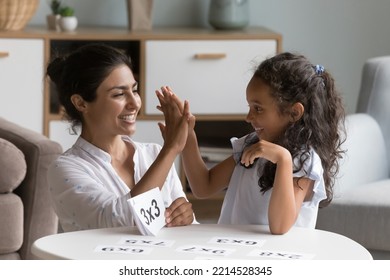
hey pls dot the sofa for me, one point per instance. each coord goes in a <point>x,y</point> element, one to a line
<point>26,213</point>
<point>360,209</point>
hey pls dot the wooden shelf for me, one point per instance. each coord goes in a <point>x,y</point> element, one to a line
<point>166,33</point>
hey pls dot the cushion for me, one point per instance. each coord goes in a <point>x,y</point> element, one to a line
<point>11,221</point>
<point>365,160</point>
<point>13,166</point>
<point>362,214</point>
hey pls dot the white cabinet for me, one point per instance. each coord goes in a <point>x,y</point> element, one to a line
<point>21,82</point>
<point>211,74</point>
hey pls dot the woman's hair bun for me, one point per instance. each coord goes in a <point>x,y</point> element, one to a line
<point>55,69</point>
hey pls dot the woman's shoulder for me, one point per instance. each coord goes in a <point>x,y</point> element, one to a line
<point>66,159</point>
<point>80,154</point>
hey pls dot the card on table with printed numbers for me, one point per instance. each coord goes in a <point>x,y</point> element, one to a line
<point>148,211</point>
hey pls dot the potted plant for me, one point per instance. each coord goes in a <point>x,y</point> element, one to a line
<point>53,19</point>
<point>68,20</point>
<point>55,6</point>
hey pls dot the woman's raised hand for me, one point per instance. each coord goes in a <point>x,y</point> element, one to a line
<point>178,119</point>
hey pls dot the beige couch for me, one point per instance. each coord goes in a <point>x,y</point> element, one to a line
<point>25,209</point>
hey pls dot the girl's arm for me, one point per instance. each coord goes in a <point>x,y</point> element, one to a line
<point>288,193</point>
<point>203,182</point>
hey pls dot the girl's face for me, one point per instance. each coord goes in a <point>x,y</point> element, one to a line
<point>264,114</point>
<point>117,104</point>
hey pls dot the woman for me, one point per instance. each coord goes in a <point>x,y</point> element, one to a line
<point>92,182</point>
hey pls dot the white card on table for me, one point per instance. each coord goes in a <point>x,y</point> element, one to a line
<point>148,211</point>
<point>135,250</point>
<point>238,241</point>
<point>281,255</point>
<point>205,250</point>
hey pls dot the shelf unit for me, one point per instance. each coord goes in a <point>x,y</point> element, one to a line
<point>208,67</point>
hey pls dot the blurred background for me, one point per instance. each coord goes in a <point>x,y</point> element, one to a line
<point>339,34</point>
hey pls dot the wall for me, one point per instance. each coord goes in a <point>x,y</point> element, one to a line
<point>339,34</point>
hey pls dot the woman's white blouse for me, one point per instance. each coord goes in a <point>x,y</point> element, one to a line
<point>88,193</point>
<point>245,204</point>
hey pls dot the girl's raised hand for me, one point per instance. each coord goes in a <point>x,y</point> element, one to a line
<point>177,118</point>
<point>177,101</point>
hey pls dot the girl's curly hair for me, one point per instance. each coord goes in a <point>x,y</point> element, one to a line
<point>292,78</point>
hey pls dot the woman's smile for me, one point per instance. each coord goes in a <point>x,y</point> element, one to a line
<point>130,118</point>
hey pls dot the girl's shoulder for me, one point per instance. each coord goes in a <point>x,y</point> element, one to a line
<point>238,144</point>
<point>244,140</point>
<point>308,164</point>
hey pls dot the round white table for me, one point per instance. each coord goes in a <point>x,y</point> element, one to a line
<point>200,241</point>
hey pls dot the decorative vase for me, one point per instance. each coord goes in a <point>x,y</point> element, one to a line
<point>139,14</point>
<point>229,14</point>
<point>53,22</point>
<point>68,23</point>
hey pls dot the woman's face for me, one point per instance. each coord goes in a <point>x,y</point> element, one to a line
<point>264,114</point>
<point>115,109</point>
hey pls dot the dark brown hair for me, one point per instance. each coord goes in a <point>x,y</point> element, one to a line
<point>81,72</point>
<point>292,78</point>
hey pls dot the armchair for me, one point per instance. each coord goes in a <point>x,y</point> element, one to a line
<point>360,209</point>
<point>26,213</point>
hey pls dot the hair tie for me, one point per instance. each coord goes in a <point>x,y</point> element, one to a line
<point>319,69</point>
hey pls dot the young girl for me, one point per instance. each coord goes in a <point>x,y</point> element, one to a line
<point>279,174</point>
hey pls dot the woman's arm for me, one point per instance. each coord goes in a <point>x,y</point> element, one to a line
<point>81,197</point>
<point>175,136</point>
